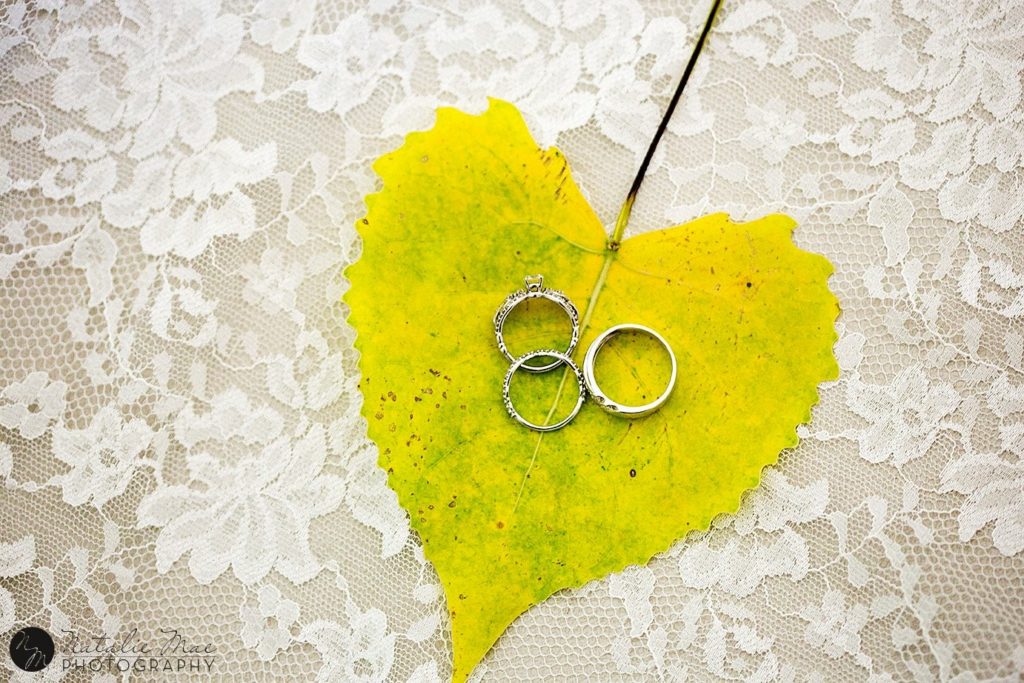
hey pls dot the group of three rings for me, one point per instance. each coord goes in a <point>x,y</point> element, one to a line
<point>585,378</point>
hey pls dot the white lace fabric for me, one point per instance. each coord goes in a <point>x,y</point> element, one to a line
<point>180,440</point>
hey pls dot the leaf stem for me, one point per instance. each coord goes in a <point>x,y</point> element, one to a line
<point>620,228</point>
<point>627,206</point>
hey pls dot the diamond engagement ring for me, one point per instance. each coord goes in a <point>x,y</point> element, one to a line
<point>521,363</point>
<point>535,290</point>
<point>600,397</point>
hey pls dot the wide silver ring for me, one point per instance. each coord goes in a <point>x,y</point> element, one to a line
<point>535,290</point>
<point>602,398</point>
<point>519,363</point>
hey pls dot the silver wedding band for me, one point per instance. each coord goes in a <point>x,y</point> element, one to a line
<point>602,398</point>
<point>520,363</point>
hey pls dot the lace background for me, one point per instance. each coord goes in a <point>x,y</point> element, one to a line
<point>178,187</point>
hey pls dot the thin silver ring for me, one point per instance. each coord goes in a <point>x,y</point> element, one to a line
<point>535,290</point>
<point>600,397</point>
<point>518,363</point>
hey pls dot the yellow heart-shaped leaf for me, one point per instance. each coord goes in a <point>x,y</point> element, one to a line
<point>509,516</point>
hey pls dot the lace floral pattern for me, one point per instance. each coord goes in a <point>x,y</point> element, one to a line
<point>178,185</point>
